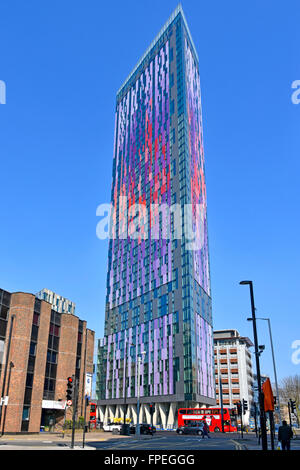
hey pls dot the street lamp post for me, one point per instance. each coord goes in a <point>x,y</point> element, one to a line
<point>125,379</point>
<point>125,375</point>
<point>221,400</point>
<point>138,392</point>
<point>260,393</point>
<point>274,366</point>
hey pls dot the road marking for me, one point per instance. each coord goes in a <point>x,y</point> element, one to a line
<point>238,445</point>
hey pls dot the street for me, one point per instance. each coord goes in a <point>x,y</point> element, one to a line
<point>161,441</point>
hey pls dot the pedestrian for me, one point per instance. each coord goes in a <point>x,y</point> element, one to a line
<point>205,430</point>
<point>285,435</point>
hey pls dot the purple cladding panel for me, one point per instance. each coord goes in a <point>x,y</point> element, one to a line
<point>142,159</point>
<point>198,186</point>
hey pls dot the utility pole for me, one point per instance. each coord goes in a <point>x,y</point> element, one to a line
<point>242,431</point>
<point>255,418</point>
<point>138,392</point>
<point>221,398</point>
<point>84,425</point>
<point>277,408</point>
<point>138,397</point>
<point>84,399</point>
<point>264,439</point>
<point>125,380</point>
<point>75,402</point>
<point>290,416</point>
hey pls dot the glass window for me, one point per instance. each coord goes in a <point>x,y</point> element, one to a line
<point>26,413</point>
<point>55,343</point>
<point>3,325</point>
<point>6,298</point>
<point>34,333</point>
<point>29,380</point>
<point>37,305</point>
<point>31,362</point>
<point>27,397</point>
<point>32,349</point>
<point>3,312</point>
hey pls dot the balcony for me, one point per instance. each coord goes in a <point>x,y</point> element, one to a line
<point>234,381</point>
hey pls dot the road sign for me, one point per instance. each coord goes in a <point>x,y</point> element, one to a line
<point>4,401</point>
<point>69,402</point>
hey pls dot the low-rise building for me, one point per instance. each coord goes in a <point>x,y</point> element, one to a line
<point>59,303</point>
<point>41,349</point>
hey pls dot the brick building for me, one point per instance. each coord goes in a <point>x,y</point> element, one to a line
<point>41,348</point>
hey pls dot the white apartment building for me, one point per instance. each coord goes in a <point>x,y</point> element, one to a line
<point>233,368</point>
<point>59,304</point>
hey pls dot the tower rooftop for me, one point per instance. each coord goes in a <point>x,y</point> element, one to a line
<point>178,11</point>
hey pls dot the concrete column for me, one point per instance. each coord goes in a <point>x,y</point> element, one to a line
<point>155,416</point>
<point>147,414</point>
<point>172,416</point>
<point>163,415</point>
<point>133,413</point>
<point>106,416</point>
<point>111,413</point>
<point>101,412</point>
<point>122,412</point>
<point>129,414</point>
<point>118,412</point>
<point>141,413</point>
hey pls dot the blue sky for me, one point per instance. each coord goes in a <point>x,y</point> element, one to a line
<point>63,62</point>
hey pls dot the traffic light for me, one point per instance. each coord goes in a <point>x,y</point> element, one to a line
<point>239,408</point>
<point>245,406</point>
<point>152,409</point>
<point>293,406</point>
<point>70,388</point>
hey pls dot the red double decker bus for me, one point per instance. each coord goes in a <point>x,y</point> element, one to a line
<point>212,416</point>
<point>93,415</point>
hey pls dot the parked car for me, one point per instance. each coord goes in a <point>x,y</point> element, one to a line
<point>190,429</point>
<point>112,427</point>
<point>144,429</point>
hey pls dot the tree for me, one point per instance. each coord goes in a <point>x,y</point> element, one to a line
<point>290,390</point>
